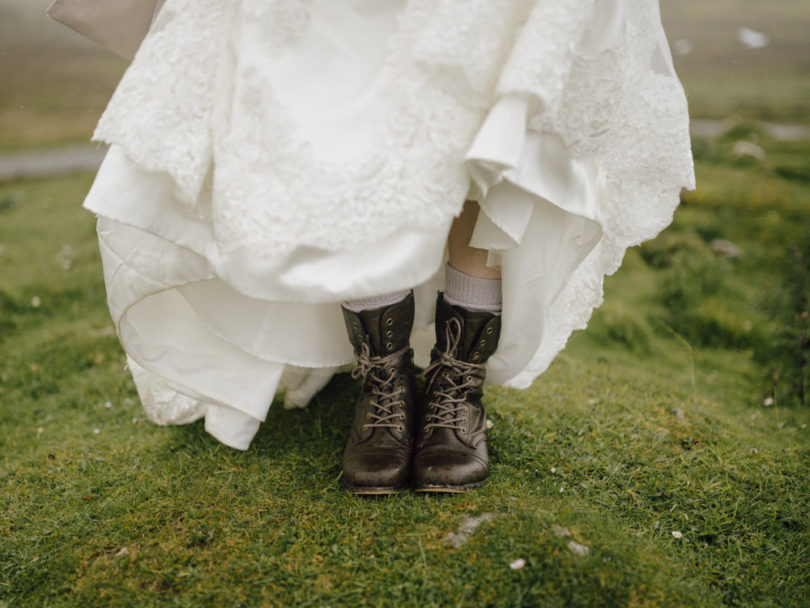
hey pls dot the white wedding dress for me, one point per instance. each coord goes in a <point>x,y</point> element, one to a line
<point>272,158</point>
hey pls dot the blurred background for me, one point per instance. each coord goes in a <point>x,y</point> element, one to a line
<point>738,59</point>
<point>669,439</point>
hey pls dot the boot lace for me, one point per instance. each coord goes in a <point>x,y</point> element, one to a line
<point>378,375</point>
<point>452,379</point>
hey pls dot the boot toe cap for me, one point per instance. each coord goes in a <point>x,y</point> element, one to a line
<point>384,470</point>
<point>448,469</point>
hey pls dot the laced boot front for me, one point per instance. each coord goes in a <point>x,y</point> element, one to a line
<point>451,452</point>
<point>377,458</point>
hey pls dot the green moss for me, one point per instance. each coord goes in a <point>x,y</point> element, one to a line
<point>650,422</point>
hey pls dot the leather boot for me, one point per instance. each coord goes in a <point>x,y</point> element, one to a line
<point>451,451</point>
<point>377,458</point>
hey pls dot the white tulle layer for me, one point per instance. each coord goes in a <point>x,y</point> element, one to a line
<point>212,327</point>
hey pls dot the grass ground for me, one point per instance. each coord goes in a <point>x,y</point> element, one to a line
<point>648,442</point>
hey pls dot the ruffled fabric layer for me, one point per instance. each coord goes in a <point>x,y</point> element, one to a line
<point>571,163</point>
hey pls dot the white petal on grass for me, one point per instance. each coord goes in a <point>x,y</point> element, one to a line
<point>743,148</point>
<point>752,39</point>
<point>490,424</point>
<point>676,534</point>
<point>96,431</point>
<point>768,402</point>
<point>466,528</point>
<point>108,404</point>
<point>517,564</point>
<point>36,301</point>
<point>578,549</point>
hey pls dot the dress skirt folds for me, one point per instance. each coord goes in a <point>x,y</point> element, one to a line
<point>271,158</point>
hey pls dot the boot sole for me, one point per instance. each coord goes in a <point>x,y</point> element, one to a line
<point>373,491</point>
<point>448,489</point>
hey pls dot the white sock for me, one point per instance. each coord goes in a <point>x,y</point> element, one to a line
<point>386,299</point>
<point>472,293</point>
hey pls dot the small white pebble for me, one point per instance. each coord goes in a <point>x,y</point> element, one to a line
<point>517,564</point>
<point>122,551</point>
<point>40,430</point>
<point>676,534</point>
<point>562,489</point>
<point>768,402</point>
<point>36,301</point>
<point>108,404</point>
<point>490,424</point>
<point>96,431</point>
<point>553,470</point>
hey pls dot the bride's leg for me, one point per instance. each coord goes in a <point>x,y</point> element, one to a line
<point>464,258</point>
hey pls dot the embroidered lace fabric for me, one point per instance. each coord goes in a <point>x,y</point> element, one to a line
<point>564,118</point>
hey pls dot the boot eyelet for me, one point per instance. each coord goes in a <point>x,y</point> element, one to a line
<point>402,416</point>
<point>446,375</point>
<point>464,430</point>
<point>389,321</point>
<point>489,331</point>
<point>400,428</point>
<point>368,414</point>
<point>389,334</point>
<point>389,345</point>
<point>476,356</point>
<point>426,429</point>
<point>365,427</point>
<point>482,343</point>
<point>468,378</point>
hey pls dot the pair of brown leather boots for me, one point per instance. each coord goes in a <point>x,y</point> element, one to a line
<point>396,441</point>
